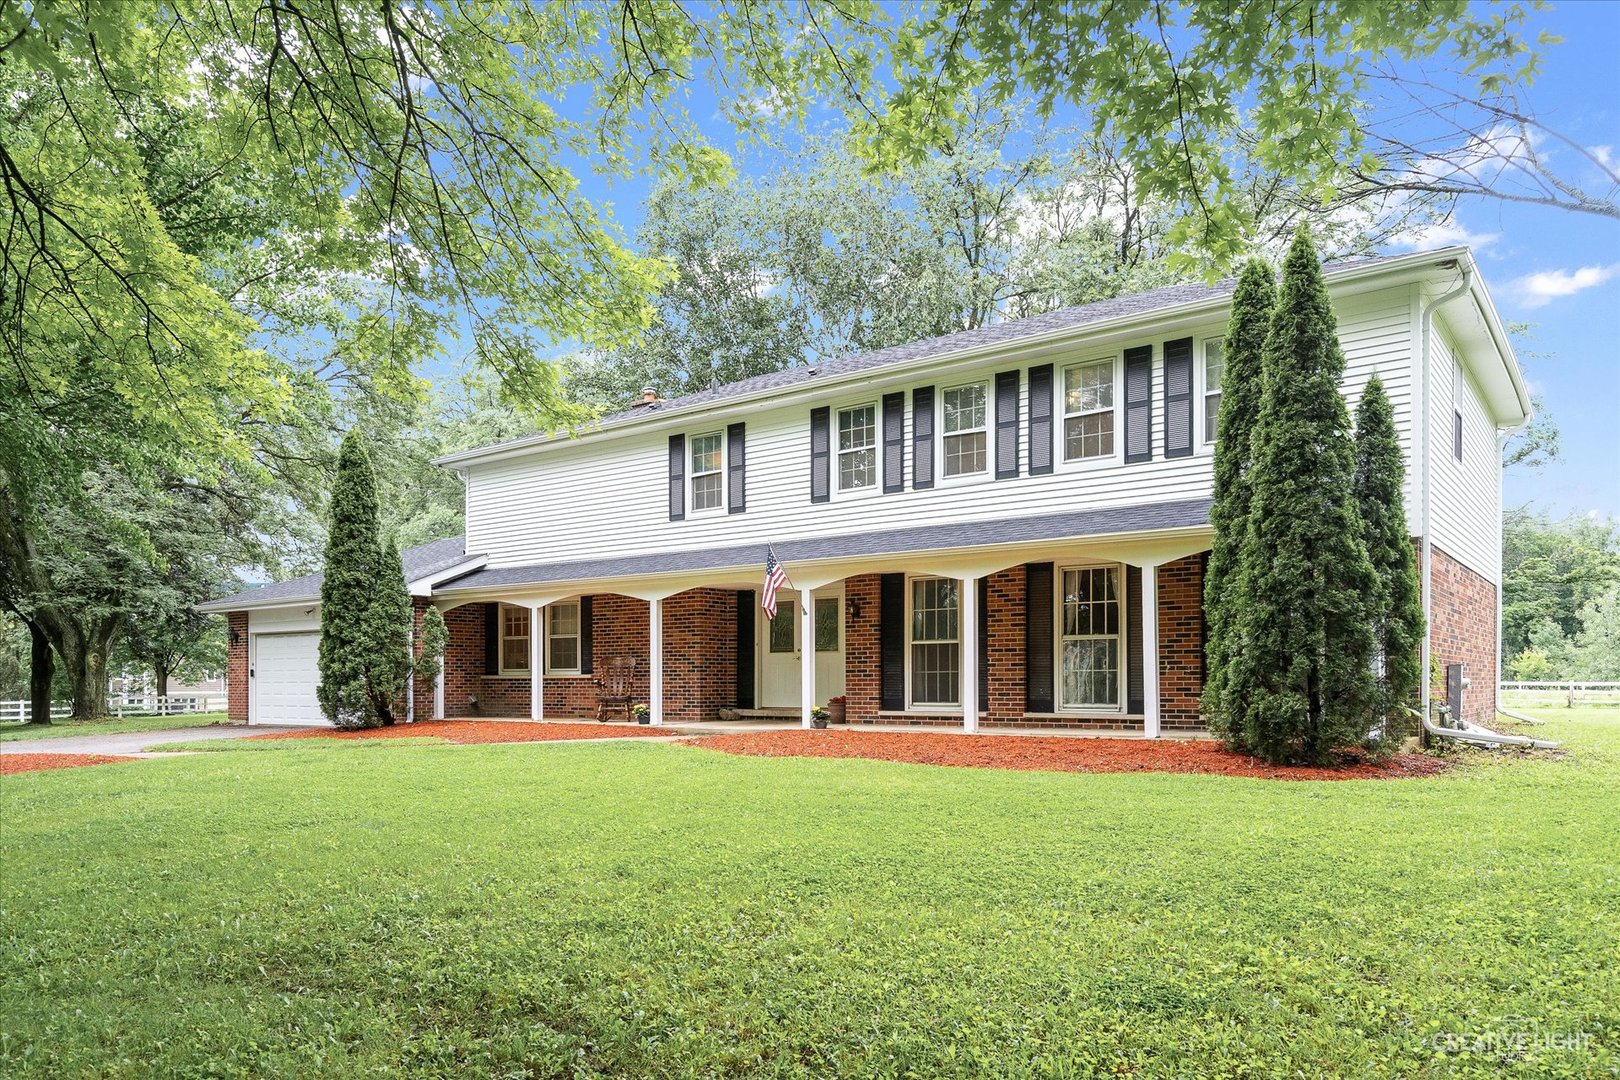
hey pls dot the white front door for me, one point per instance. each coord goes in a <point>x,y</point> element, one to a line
<point>779,656</point>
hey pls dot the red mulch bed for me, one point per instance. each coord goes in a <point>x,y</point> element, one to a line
<point>1058,754</point>
<point>477,731</point>
<point>20,763</point>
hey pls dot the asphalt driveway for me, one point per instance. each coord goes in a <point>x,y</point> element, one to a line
<point>133,742</point>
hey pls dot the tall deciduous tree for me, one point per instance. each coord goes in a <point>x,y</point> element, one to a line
<point>363,644</point>
<point>1302,683</point>
<point>1242,377</point>
<point>1397,601</point>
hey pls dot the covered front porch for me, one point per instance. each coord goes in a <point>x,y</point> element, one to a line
<point>1087,636</point>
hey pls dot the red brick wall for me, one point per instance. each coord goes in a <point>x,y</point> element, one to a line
<point>1181,643</point>
<point>863,667</point>
<point>1005,612</point>
<point>236,667</point>
<point>1464,631</point>
<point>700,654</point>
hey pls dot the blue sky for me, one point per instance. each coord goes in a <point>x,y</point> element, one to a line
<point>1552,268</point>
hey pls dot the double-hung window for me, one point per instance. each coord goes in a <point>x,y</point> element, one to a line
<point>1214,369</point>
<point>857,447</point>
<point>708,485</point>
<point>562,638</point>
<point>936,643</point>
<point>965,430</point>
<point>514,639</point>
<point>1089,652</point>
<point>1088,410</point>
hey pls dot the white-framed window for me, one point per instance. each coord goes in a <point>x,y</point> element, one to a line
<point>1214,369</point>
<point>514,639</point>
<point>1088,410</point>
<point>965,426</point>
<point>1091,618</point>
<point>857,447</point>
<point>562,638</point>
<point>708,482</point>
<point>935,642</point>
<point>782,633</point>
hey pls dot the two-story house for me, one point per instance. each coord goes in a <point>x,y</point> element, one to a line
<point>1004,527</point>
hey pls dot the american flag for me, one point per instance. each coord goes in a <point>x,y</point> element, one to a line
<point>775,578</point>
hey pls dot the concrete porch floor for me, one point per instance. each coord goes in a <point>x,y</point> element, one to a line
<point>761,723</point>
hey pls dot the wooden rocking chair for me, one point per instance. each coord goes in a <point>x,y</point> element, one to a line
<point>613,686</point>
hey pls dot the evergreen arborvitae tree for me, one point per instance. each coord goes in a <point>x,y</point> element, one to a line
<point>389,627</point>
<point>435,637</point>
<point>1242,355</point>
<point>354,655</point>
<point>1303,612</point>
<point>1380,498</point>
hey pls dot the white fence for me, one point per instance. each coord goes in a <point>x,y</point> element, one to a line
<point>121,706</point>
<point>1567,694</point>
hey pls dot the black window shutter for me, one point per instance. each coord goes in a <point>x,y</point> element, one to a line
<point>1178,398</point>
<point>1006,425</point>
<point>922,437</point>
<point>984,644</point>
<point>1038,640</point>
<point>1135,693</point>
<point>1139,403</point>
<point>892,642</point>
<point>736,468</point>
<point>1040,420</point>
<point>584,635</point>
<point>745,649</point>
<point>677,477</point>
<point>820,454</point>
<point>894,442</point>
<point>492,639</point>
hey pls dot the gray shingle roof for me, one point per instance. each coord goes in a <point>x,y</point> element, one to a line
<point>419,561</point>
<point>751,557</point>
<point>1008,332</point>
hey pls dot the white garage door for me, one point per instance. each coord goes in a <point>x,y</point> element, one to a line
<point>284,677</point>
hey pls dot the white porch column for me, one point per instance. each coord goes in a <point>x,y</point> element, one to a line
<point>1150,650</point>
<point>537,658</point>
<point>968,628</point>
<point>438,689</point>
<point>655,662</point>
<point>807,656</point>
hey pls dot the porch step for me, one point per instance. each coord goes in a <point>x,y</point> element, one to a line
<point>767,714</point>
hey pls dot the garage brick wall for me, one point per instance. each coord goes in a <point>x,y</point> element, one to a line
<point>236,667</point>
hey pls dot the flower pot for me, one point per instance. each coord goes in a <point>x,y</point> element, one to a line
<point>819,723</point>
<point>835,712</point>
<point>644,719</point>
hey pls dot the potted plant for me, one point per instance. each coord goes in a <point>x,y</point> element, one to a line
<point>835,710</point>
<point>642,712</point>
<point>818,717</point>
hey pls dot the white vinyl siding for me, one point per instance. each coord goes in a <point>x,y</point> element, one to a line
<point>1466,496</point>
<point>601,498</point>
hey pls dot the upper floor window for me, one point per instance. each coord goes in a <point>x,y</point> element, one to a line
<point>708,486</point>
<point>965,430</point>
<point>514,638</point>
<point>562,638</point>
<point>1088,410</point>
<point>1214,370</point>
<point>857,447</point>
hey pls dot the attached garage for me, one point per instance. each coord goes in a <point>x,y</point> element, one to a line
<point>284,674</point>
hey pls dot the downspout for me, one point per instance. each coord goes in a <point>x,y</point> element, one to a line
<point>1474,735</point>
<point>1425,326</point>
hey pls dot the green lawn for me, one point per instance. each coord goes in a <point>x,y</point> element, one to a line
<point>67,729</point>
<point>636,909</point>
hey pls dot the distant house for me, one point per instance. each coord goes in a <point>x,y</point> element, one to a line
<point>996,528</point>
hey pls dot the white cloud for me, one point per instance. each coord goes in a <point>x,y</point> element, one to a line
<point>1541,289</point>
<point>1604,154</point>
<point>1438,234</point>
